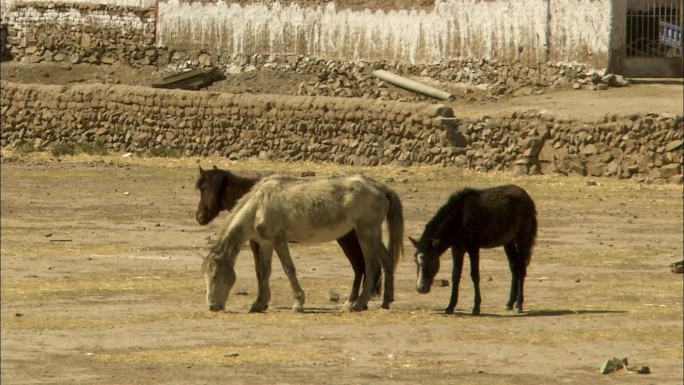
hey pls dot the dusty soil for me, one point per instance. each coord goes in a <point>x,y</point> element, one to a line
<point>101,285</point>
<point>650,95</point>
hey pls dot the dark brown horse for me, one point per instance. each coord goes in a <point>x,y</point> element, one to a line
<point>472,219</point>
<point>221,189</point>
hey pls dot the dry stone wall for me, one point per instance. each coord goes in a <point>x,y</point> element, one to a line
<point>142,119</point>
<point>81,32</point>
<point>341,130</point>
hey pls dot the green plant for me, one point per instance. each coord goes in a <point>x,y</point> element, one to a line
<point>63,149</point>
<point>96,148</point>
<point>166,152</point>
<point>26,148</point>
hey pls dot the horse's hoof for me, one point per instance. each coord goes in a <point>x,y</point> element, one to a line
<point>298,309</point>
<point>449,310</point>
<point>347,306</point>
<point>258,308</point>
<point>476,311</point>
<point>385,305</point>
<point>518,310</point>
<point>359,307</point>
<point>509,307</point>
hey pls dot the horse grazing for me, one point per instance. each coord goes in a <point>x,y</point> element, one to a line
<point>221,189</point>
<point>282,209</point>
<point>471,219</point>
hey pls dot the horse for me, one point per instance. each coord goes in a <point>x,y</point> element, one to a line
<point>220,190</point>
<point>473,219</point>
<point>281,209</point>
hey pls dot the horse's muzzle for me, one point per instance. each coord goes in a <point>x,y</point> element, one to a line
<point>423,289</point>
<point>201,218</point>
<point>216,307</point>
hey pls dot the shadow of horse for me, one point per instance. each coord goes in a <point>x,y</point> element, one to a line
<point>535,313</point>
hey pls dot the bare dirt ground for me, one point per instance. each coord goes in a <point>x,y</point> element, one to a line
<point>648,95</point>
<point>101,284</point>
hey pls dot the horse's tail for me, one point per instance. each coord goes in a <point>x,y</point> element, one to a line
<point>395,224</point>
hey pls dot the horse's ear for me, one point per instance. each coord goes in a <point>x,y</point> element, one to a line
<point>201,171</point>
<point>416,244</point>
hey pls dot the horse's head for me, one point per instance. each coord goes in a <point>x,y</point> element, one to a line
<point>212,185</point>
<point>219,277</point>
<point>427,256</point>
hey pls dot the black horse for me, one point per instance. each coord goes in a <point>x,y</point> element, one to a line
<point>471,219</point>
<point>221,189</point>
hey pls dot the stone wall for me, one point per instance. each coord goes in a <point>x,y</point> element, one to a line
<point>81,32</point>
<point>140,119</point>
<point>342,130</point>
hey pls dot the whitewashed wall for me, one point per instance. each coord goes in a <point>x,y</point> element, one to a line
<point>453,28</point>
<point>579,30</point>
<point>527,30</point>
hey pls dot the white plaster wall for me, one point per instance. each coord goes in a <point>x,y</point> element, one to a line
<point>579,29</point>
<point>453,28</point>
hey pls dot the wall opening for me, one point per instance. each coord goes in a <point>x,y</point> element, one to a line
<point>654,30</point>
<point>653,38</point>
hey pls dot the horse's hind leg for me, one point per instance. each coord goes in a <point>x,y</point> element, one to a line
<point>376,249</point>
<point>524,252</point>
<point>512,253</point>
<point>262,265</point>
<point>352,250</point>
<point>285,259</point>
<point>372,257</point>
<point>475,276</point>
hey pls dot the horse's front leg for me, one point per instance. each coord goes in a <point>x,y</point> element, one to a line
<point>475,276</point>
<point>286,260</point>
<point>352,250</point>
<point>457,256</point>
<point>262,265</point>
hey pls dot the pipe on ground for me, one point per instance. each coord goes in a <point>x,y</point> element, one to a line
<point>412,85</point>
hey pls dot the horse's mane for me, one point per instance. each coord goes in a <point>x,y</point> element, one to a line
<point>219,171</point>
<point>453,208</point>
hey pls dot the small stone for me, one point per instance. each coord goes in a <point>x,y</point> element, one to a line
<point>577,86</point>
<point>232,354</point>
<point>48,235</point>
<point>601,87</point>
<point>443,283</point>
<point>590,183</point>
<point>674,145</point>
<point>333,296</point>
<point>642,369</point>
<point>613,364</point>
<point>241,292</point>
<point>18,314</point>
<point>677,267</point>
<point>126,193</point>
<point>307,173</point>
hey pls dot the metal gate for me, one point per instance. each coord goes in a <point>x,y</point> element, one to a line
<point>653,45</point>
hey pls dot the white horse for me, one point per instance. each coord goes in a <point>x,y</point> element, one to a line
<point>282,209</point>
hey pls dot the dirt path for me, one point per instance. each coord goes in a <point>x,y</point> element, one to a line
<point>101,285</point>
<point>649,95</point>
